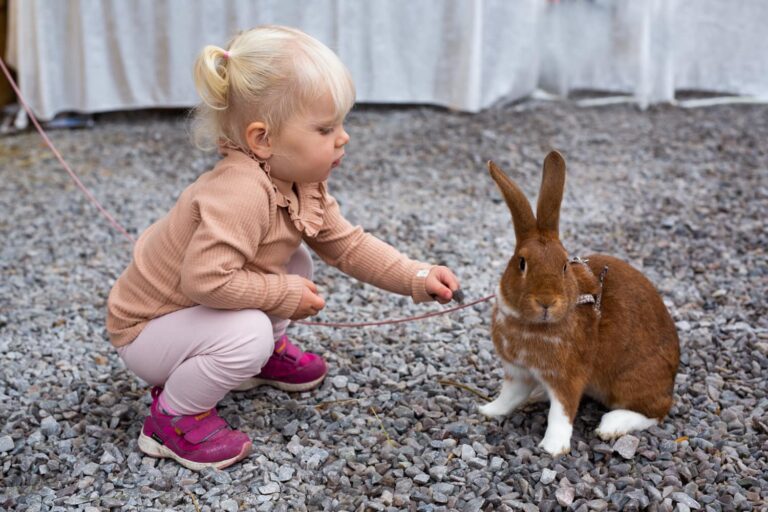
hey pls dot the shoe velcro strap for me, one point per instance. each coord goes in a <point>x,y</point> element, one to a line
<point>197,429</point>
<point>287,350</point>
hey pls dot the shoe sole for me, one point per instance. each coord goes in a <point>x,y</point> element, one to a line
<point>254,382</point>
<point>154,449</point>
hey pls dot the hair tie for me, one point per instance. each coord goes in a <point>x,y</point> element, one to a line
<point>226,54</point>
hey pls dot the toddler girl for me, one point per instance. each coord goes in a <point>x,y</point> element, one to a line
<point>203,307</point>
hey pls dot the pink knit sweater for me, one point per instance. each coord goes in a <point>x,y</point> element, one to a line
<point>227,240</point>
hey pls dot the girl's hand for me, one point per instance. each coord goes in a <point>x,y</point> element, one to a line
<point>441,283</point>
<point>310,304</point>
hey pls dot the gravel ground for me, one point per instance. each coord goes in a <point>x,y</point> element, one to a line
<point>681,194</point>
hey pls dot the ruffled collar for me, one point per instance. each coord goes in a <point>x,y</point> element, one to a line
<point>306,206</point>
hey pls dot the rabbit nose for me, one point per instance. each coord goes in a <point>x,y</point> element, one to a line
<point>545,305</point>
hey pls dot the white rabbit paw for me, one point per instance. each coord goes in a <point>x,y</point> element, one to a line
<point>513,393</point>
<point>557,438</point>
<point>495,409</point>
<point>556,441</point>
<point>621,421</point>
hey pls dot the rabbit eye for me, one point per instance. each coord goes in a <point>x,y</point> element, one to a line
<point>565,268</point>
<point>522,264</point>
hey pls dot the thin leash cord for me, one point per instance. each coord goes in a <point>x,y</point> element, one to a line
<point>56,153</point>
<point>127,235</point>
<point>398,321</point>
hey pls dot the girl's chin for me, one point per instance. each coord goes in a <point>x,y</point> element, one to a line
<point>323,177</point>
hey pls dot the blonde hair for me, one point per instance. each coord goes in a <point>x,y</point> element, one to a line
<point>267,74</point>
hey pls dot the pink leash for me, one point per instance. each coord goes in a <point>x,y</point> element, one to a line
<point>127,235</point>
<point>79,183</point>
<point>397,321</point>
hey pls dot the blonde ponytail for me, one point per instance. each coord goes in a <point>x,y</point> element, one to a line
<point>211,77</point>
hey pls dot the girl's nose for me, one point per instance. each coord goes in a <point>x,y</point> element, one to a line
<point>342,139</point>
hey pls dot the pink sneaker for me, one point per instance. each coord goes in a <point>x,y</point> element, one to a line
<point>290,369</point>
<point>195,442</point>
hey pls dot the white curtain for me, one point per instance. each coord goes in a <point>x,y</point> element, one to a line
<point>101,55</point>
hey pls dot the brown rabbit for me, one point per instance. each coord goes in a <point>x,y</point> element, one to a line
<point>568,327</point>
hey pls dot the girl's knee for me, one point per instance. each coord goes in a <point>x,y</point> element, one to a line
<point>254,341</point>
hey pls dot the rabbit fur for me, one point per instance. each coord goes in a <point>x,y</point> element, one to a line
<point>562,334</point>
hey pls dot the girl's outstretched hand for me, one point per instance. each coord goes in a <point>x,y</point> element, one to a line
<point>311,303</point>
<point>441,283</point>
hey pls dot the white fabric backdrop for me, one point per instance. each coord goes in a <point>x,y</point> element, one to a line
<point>100,55</point>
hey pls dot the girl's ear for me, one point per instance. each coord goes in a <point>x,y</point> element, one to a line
<point>522,215</point>
<point>258,139</point>
<point>551,195</point>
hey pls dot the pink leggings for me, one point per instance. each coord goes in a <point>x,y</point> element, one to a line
<point>199,354</point>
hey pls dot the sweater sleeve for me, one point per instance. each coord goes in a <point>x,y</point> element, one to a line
<point>366,258</point>
<point>231,219</point>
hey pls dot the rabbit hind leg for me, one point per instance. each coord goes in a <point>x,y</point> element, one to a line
<point>635,405</point>
<point>618,422</point>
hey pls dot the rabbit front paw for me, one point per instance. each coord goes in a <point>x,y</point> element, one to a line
<point>496,408</point>
<point>557,441</point>
<point>557,438</point>
<point>513,393</point>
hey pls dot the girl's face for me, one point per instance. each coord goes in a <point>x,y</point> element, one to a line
<point>309,145</point>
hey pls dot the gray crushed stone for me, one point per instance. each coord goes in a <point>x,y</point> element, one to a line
<point>681,194</point>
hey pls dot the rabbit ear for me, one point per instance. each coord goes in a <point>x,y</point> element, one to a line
<point>551,195</point>
<point>522,215</point>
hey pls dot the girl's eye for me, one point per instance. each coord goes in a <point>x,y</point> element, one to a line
<point>522,264</point>
<point>325,131</point>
